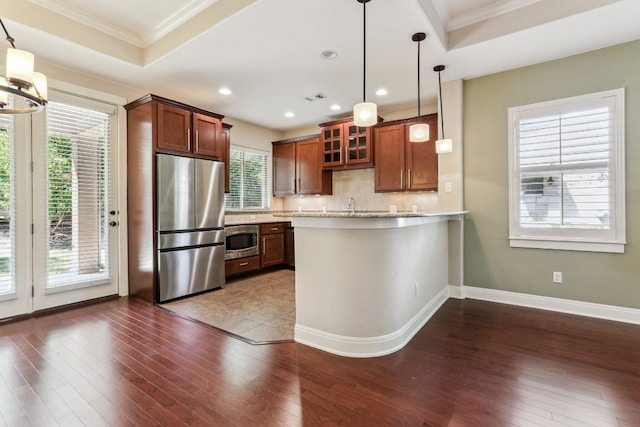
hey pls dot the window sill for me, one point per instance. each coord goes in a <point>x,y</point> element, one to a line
<point>567,245</point>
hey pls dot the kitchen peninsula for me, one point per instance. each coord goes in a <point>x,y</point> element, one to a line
<point>366,282</point>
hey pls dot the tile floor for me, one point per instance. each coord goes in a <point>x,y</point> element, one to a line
<point>259,308</point>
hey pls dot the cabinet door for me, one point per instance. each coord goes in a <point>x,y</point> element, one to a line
<point>389,170</point>
<point>174,128</point>
<point>331,138</point>
<point>284,169</point>
<point>422,161</point>
<point>225,154</point>
<point>272,249</point>
<point>357,143</point>
<point>205,136</point>
<point>308,169</point>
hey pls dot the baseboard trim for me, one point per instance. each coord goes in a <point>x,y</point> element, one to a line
<point>599,311</point>
<point>361,347</point>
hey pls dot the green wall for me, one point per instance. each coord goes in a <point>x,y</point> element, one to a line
<point>489,262</point>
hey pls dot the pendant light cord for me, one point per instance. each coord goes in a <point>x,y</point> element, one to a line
<point>419,81</point>
<point>364,50</point>
<point>441,109</point>
<point>10,39</point>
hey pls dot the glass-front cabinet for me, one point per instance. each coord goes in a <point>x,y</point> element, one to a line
<point>332,143</point>
<point>346,145</point>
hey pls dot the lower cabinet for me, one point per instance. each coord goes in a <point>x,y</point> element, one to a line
<point>272,251</point>
<point>242,265</point>
<point>272,244</point>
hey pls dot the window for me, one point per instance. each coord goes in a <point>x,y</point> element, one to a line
<point>567,174</point>
<point>248,184</point>
<point>79,134</point>
<point>7,208</point>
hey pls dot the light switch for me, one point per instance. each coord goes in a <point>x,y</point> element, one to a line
<point>447,187</point>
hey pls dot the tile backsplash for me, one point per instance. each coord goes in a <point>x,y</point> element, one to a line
<point>359,184</point>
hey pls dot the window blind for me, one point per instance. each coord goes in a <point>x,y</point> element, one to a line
<point>79,191</point>
<point>7,208</point>
<point>248,184</point>
<point>564,158</point>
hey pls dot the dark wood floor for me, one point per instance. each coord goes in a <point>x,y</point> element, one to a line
<point>128,363</point>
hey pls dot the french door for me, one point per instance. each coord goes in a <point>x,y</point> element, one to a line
<point>58,213</point>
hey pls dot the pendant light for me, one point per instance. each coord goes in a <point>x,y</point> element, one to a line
<point>365,113</point>
<point>443,146</point>
<point>419,132</point>
<point>21,81</point>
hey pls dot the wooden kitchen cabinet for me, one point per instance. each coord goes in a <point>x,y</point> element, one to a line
<point>225,145</point>
<point>207,139</point>
<point>345,145</point>
<point>174,128</point>
<point>297,167</point>
<point>241,265</point>
<point>402,165</point>
<point>272,244</point>
<point>183,129</point>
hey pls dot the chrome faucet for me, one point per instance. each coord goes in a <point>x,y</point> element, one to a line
<point>351,205</point>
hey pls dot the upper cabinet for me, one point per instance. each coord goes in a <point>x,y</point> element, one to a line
<point>174,128</point>
<point>225,144</point>
<point>402,165</point>
<point>184,129</point>
<point>207,138</point>
<point>297,167</point>
<point>345,145</point>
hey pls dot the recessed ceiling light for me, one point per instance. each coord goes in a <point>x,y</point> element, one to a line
<point>224,91</point>
<point>329,55</point>
<point>289,114</point>
<point>335,107</point>
<point>382,92</point>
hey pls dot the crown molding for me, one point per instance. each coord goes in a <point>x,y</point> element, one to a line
<point>140,40</point>
<point>483,13</point>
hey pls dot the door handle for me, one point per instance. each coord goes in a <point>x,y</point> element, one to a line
<point>409,178</point>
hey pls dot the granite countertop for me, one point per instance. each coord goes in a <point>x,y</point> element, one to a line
<point>363,214</point>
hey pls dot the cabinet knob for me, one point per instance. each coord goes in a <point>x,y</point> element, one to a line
<point>113,223</point>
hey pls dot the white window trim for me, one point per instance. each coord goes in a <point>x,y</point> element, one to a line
<point>526,238</point>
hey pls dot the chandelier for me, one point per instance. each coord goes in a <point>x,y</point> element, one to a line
<point>21,81</point>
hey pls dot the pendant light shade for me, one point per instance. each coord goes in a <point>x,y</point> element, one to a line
<point>21,82</point>
<point>365,113</point>
<point>443,145</point>
<point>419,132</point>
<point>20,67</point>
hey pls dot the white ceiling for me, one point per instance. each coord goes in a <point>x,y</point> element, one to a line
<point>268,52</point>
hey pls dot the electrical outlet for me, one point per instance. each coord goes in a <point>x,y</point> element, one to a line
<point>417,287</point>
<point>252,217</point>
<point>447,187</point>
<point>557,277</point>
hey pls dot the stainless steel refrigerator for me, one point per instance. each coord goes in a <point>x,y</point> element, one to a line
<point>190,226</point>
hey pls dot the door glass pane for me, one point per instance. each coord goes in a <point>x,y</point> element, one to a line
<point>79,190</point>
<point>7,208</point>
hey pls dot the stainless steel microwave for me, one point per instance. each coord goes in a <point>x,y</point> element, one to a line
<point>241,241</point>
